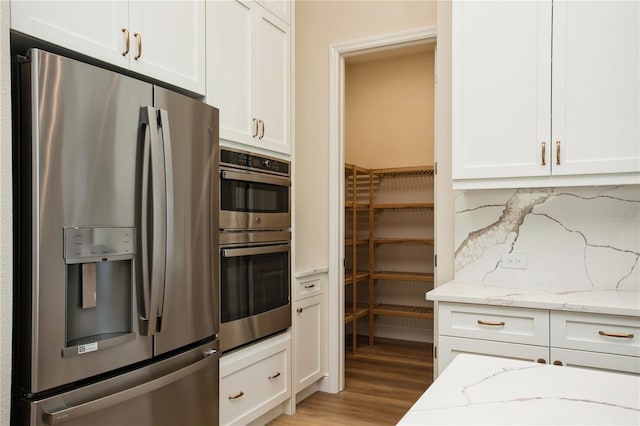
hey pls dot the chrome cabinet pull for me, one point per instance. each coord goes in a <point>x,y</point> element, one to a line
<point>255,127</point>
<point>544,153</point>
<point>616,335</point>
<point>126,42</point>
<point>492,323</point>
<point>261,123</point>
<point>557,153</point>
<point>139,39</point>
<point>236,396</point>
<point>275,376</point>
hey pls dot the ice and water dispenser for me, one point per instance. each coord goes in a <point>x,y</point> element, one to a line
<point>100,280</point>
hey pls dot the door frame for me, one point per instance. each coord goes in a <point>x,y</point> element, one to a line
<point>337,55</point>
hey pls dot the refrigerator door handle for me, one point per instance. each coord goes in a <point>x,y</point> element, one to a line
<point>163,116</point>
<point>152,283</point>
<point>71,413</point>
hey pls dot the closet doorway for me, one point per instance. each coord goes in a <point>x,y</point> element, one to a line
<point>384,147</point>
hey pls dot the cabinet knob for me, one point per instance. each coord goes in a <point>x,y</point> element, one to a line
<point>299,310</point>
<point>125,52</point>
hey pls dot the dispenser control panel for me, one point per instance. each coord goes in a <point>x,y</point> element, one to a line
<point>94,244</point>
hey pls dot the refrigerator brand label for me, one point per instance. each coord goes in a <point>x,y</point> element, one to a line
<point>89,347</point>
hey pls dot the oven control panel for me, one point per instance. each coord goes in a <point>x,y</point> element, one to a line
<point>251,161</point>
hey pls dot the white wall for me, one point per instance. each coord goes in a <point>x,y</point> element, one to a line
<point>389,111</point>
<point>320,24</point>
<point>6,255</point>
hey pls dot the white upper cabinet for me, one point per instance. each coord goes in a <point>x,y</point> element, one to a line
<point>162,40</point>
<point>545,102</point>
<point>92,28</point>
<point>250,75</point>
<point>172,35</point>
<point>272,82</point>
<point>280,8</point>
<point>501,88</point>
<point>596,87</point>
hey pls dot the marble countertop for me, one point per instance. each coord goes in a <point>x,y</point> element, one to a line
<point>609,301</point>
<point>476,389</point>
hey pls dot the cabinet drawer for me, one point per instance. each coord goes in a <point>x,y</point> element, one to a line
<point>612,334</point>
<point>596,361</point>
<point>308,287</point>
<point>499,323</point>
<point>450,347</point>
<point>254,380</point>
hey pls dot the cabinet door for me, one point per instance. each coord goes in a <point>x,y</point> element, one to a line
<point>308,334</point>
<point>273,82</point>
<point>280,8</point>
<point>232,88</point>
<point>596,87</point>
<point>171,37</point>
<point>450,347</point>
<point>91,28</point>
<point>596,361</point>
<point>501,93</point>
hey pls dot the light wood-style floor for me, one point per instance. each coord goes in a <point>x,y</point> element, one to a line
<point>381,383</point>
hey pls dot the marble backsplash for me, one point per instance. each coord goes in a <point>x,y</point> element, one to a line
<point>573,238</point>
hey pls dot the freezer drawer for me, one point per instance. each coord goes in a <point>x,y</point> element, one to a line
<point>181,390</point>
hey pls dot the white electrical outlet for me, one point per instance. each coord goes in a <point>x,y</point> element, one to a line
<point>514,261</point>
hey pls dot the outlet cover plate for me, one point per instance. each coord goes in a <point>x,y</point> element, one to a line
<point>514,261</point>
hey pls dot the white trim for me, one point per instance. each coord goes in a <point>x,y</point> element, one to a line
<point>337,54</point>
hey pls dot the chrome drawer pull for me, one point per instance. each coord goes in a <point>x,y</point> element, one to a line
<point>239,395</point>
<point>619,335</point>
<point>491,323</point>
<point>275,376</point>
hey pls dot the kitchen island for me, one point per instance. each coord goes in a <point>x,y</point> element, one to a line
<point>477,389</point>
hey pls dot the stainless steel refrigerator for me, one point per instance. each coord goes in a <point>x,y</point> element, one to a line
<point>116,238</point>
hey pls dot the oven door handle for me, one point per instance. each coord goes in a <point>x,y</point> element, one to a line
<point>237,252</point>
<point>252,177</point>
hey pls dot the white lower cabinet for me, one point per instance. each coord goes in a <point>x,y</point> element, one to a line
<point>450,347</point>
<point>254,380</point>
<point>602,342</point>
<point>575,339</point>
<point>516,333</point>
<point>595,361</point>
<point>308,341</point>
<point>309,349</point>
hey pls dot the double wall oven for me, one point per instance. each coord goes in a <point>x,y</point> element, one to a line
<point>255,247</point>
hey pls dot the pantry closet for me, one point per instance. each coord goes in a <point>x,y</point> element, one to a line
<point>389,197</point>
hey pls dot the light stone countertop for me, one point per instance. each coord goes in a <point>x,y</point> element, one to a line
<point>477,389</point>
<point>606,301</point>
